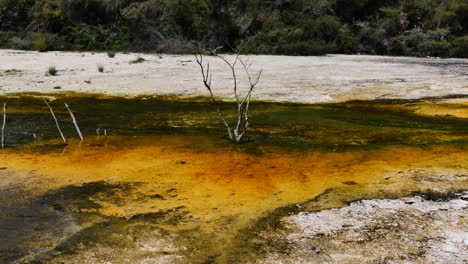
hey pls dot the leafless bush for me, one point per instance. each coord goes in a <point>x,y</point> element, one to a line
<point>237,131</point>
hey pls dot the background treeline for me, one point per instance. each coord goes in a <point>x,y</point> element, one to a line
<point>293,27</point>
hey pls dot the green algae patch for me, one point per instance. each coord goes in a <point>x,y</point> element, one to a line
<point>336,127</point>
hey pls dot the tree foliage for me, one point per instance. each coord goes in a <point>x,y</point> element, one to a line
<point>294,27</point>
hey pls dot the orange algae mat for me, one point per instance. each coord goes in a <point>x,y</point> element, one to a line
<point>216,181</point>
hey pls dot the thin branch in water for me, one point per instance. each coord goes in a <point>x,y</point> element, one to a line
<point>56,121</point>
<point>4,124</point>
<point>74,122</point>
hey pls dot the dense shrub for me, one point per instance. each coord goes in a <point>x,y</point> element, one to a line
<point>47,41</point>
<point>434,48</point>
<point>420,43</point>
<point>328,27</point>
<point>5,39</point>
<point>460,47</point>
<point>297,27</point>
<point>304,48</point>
<point>346,42</point>
<point>34,41</point>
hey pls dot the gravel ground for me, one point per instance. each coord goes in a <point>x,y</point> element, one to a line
<point>331,78</point>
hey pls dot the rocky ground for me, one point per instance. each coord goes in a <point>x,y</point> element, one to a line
<point>329,78</point>
<point>418,229</point>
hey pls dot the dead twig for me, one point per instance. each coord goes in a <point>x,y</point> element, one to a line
<point>207,82</point>
<point>56,121</point>
<point>252,83</point>
<point>74,122</point>
<point>4,124</point>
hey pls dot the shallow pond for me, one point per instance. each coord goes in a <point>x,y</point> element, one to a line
<point>165,183</point>
<point>307,127</point>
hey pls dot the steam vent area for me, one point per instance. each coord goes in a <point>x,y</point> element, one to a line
<point>345,159</point>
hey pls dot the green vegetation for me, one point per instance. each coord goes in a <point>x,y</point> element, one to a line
<point>293,27</point>
<point>100,68</point>
<point>137,60</point>
<point>51,71</point>
<point>111,54</point>
<point>10,72</point>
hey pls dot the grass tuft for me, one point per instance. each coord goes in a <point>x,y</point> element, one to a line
<point>52,71</point>
<point>111,54</point>
<point>138,60</point>
<point>100,68</point>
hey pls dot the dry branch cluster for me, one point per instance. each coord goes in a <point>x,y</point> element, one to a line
<point>235,132</point>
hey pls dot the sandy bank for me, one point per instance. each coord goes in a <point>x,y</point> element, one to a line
<point>330,78</point>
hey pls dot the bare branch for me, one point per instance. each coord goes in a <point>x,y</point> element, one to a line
<point>252,83</point>
<point>232,66</point>
<point>74,122</point>
<point>207,82</point>
<point>257,79</point>
<point>56,121</point>
<point>4,124</point>
<point>246,114</point>
<point>248,97</point>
